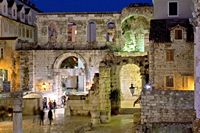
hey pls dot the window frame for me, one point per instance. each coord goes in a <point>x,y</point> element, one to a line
<point>89,31</point>
<point>168,57</point>
<point>1,53</point>
<point>178,34</point>
<point>166,81</point>
<point>70,34</point>
<point>176,9</point>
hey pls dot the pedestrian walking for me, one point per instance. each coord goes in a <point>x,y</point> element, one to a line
<point>50,116</point>
<point>41,117</point>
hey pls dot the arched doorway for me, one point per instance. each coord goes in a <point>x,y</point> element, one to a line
<point>130,74</point>
<point>70,74</point>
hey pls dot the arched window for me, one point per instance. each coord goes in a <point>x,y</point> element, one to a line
<point>111,25</point>
<point>110,32</point>
<point>71,32</point>
<point>69,63</point>
<point>91,32</point>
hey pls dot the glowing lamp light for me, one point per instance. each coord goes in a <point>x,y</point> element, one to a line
<point>44,86</point>
<point>148,87</point>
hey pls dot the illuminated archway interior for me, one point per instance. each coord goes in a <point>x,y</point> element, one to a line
<point>130,74</point>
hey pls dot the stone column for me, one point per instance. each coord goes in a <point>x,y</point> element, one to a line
<point>17,112</point>
<point>104,94</point>
<point>197,72</point>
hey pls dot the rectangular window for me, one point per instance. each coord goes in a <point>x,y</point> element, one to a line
<point>31,35</point>
<point>27,33</point>
<point>23,32</point>
<point>14,12</point>
<point>173,8</point>
<point>1,53</point>
<point>169,55</point>
<point>178,34</point>
<point>169,81</point>
<point>71,31</point>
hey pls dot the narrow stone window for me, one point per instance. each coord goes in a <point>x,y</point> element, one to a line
<point>173,8</point>
<point>27,33</point>
<point>1,53</point>
<point>110,32</point>
<point>23,32</point>
<point>71,32</point>
<point>91,32</point>
<point>178,34</point>
<point>169,55</point>
<point>31,34</point>
<point>23,15</point>
<point>4,8</point>
<point>169,81</point>
<point>14,12</point>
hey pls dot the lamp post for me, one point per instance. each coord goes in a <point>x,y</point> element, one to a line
<point>132,89</point>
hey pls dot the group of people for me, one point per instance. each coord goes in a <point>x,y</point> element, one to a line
<point>41,113</point>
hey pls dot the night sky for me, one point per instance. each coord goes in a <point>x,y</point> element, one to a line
<point>84,5</point>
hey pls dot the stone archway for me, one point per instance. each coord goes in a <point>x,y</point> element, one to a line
<point>69,78</point>
<point>135,25</point>
<point>130,74</point>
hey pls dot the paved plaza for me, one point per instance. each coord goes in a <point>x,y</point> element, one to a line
<point>68,124</point>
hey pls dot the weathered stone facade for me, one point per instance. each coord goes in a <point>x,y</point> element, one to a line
<point>57,41</point>
<point>167,106</point>
<point>181,66</point>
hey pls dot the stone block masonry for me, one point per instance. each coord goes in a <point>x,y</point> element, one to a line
<point>169,106</point>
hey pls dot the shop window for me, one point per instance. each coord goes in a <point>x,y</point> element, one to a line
<point>173,8</point>
<point>169,81</point>
<point>169,55</point>
<point>71,32</point>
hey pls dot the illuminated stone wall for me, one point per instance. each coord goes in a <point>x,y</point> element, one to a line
<point>167,106</point>
<point>10,62</point>
<point>61,21</point>
<point>182,65</point>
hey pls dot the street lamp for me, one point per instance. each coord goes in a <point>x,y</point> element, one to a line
<point>132,89</point>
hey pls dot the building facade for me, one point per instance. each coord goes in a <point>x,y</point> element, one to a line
<point>73,46</point>
<point>171,51</point>
<point>17,22</point>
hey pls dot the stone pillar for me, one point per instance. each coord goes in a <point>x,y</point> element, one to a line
<point>17,112</point>
<point>197,72</point>
<point>104,94</point>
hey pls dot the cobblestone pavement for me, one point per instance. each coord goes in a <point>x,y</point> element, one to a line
<point>61,124</point>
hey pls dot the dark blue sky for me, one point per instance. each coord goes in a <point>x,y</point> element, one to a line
<point>84,5</point>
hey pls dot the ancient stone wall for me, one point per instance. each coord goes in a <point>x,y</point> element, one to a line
<point>167,106</point>
<point>181,65</point>
<point>60,25</point>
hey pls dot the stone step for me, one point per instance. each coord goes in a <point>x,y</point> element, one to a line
<point>126,111</point>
